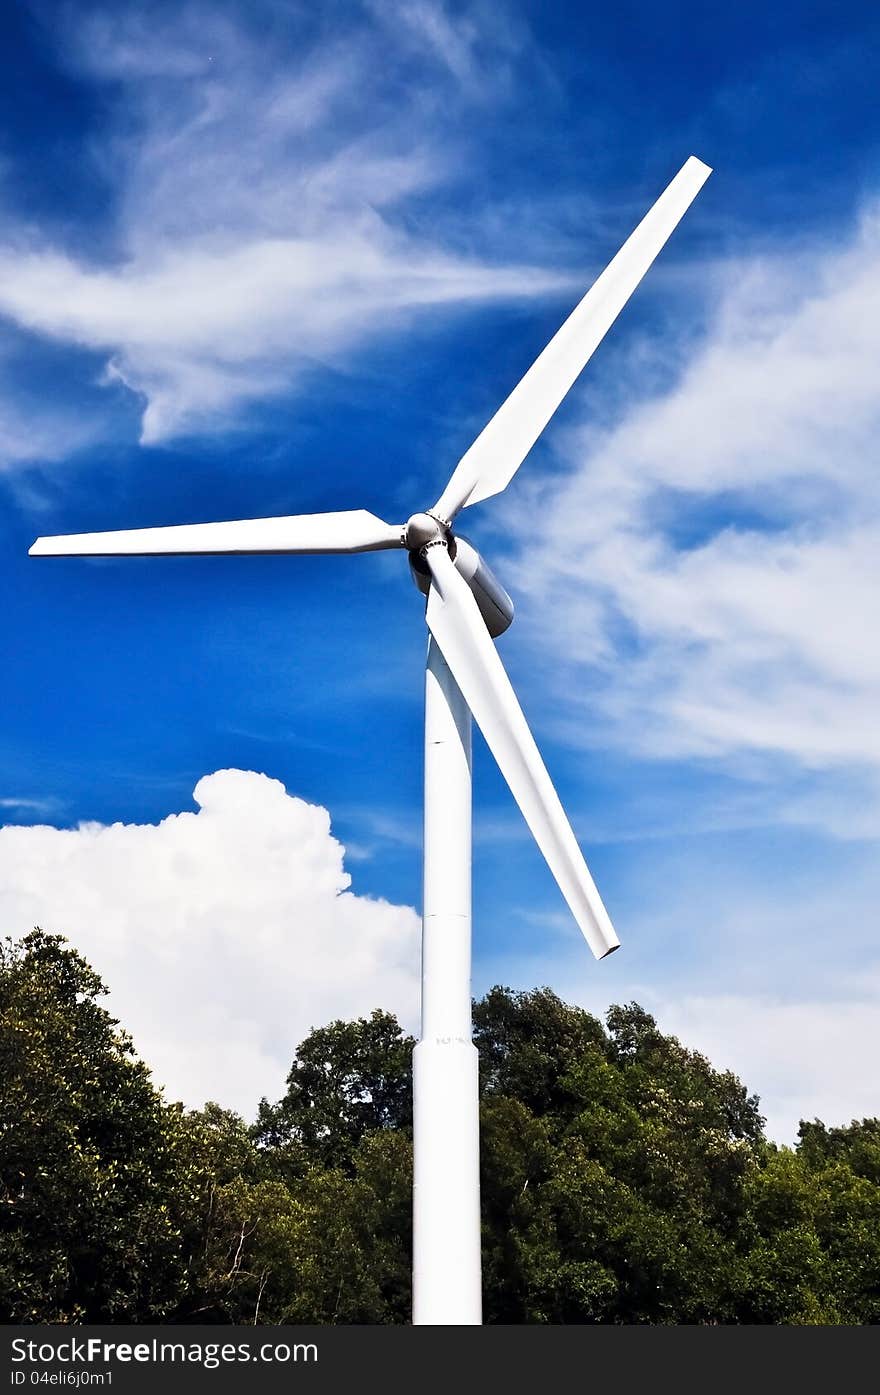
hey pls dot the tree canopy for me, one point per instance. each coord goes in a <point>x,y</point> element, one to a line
<point>624,1179</point>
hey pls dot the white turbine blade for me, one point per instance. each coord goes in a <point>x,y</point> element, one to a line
<point>497,453</point>
<point>353,531</point>
<point>456,624</point>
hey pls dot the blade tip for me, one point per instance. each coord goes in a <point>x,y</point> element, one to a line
<point>58,547</point>
<point>696,164</point>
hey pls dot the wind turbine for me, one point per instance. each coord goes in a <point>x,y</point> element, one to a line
<point>466,610</point>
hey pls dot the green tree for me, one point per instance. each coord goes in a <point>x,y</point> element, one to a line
<point>86,1155</point>
<point>624,1179</point>
<point>629,1156</point>
<point>328,1245</point>
<point>348,1080</point>
<point>812,1228</point>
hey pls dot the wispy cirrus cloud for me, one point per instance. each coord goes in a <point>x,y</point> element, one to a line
<point>28,806</point>
<point>27,435</point>
<point>259,191</point>
<point>476,46</point>
<point>37,426</point>
<point>713,558</point>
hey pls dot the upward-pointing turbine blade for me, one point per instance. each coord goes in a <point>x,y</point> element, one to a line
<point>352,531</point>
<point>456,624</point>
<point>497,453</point>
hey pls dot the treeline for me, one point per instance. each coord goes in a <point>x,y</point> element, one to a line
<point>624,1179</point>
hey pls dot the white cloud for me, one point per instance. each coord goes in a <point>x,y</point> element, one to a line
<point>34,430</point>
<point>474,45</point>
<point>224,935</point>
<point>431,29</point>
<point>257,190</point>
<point>201,329</point>
<point>704,578</point>
<point>33,806</point>
<point>708,570</point>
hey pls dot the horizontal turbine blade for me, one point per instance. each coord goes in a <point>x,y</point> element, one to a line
<point>497,453</point>
<point>456,624</point>
<point>353,531</point>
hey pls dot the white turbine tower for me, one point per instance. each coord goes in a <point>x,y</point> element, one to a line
<point>466,610</point>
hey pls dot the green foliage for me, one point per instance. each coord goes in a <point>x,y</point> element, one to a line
<point>348,1080</point>
<point>333,1246</point>
<point>624,1179</point>
<point>87,1179</point>
<point>628,1156</point>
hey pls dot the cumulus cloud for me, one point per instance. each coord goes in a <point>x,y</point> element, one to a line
<point>224,934</point>
<point>713,559</point>
<point>258,192</point>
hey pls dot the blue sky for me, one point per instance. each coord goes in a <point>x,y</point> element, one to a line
<point>275,258</point>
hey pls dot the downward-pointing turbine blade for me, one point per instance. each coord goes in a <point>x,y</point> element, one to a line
<point>497,453</point>
<point>353,531</point>
<point>457,626</point>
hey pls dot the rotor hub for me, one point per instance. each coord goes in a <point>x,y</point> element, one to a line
<point>423,529</point>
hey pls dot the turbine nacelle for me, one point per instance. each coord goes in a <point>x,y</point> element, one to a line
<point>493,602</point>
